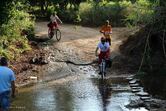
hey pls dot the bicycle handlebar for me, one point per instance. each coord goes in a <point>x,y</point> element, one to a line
<point>106,32</point>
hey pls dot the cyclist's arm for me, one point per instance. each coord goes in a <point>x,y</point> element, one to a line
<point>102,29</point>
<point>58,19</point>
<point>52,18</point>
<point>96,51</point>
<point>110,29</point>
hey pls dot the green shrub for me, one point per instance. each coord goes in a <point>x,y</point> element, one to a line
<point>69,15</point>
<point>50,10</point>
<point>96,14</point>
<point>12,42</point>
<point>139,13</point>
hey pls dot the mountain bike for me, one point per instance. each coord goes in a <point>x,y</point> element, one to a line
<point>53,31</point>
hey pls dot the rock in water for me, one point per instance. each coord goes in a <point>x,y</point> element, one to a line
<point>134,85</point>
<point>142,94</point>
<point>133,81</point>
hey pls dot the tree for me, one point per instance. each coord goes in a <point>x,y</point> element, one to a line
<point>5,7</point>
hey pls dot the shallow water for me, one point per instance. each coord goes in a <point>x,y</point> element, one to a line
<point>84,94</point>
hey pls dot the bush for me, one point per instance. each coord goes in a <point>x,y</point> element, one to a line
<point>70,15</point>
<point>96,14</point>
<point>50,10</point>
<point>12,41</point>
<point>139,13</point>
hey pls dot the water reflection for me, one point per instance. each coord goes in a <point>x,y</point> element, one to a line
<point>81,95</point>
<point>43,96</point>
<point>85,96</point>
<point>105,91</point>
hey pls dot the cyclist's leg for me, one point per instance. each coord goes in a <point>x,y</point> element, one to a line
<point>50,32</point>
<point>55,24</point>
<point>107,56</point>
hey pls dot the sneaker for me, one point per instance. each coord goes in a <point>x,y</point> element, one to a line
<point>99,73</point>
<point>104,73</point>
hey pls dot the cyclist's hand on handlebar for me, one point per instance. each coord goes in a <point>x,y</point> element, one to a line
<point>101,32</point>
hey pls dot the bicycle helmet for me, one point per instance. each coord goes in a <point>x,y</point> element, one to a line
<point>107,22</point>
<point>102,39</point>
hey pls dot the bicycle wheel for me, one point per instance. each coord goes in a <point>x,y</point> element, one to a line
<point>58,34</point>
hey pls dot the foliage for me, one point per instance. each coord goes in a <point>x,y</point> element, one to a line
<point>140,12</point>
<point>5,7</point>
<point>96,14</point>
<point>70,15</point>
<point>12,41</point>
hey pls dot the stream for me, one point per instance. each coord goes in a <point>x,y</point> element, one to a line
<point>84,92</point>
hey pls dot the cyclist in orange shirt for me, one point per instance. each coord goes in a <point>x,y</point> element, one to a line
<point>107,30</point>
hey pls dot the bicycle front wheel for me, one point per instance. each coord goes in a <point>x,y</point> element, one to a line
<point>58,35</point>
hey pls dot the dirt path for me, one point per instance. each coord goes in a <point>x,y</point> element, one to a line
<point>78,44</point>
<point>83,39</point>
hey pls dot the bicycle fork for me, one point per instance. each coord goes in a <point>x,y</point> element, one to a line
<point>102,67</point>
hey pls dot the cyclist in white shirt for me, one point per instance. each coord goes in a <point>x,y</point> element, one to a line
<point>54,21</point>
<point>104,48</point>
<point>55,18</point>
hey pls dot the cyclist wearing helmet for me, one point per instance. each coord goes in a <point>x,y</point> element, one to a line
<point>104,48</point>
<point>107,30</point>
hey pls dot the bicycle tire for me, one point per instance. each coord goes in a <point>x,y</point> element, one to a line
<point>102,75</point>
<point>102,69</point>
<point>58,35</point>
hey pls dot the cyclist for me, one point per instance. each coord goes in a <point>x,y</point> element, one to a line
<point>107,30</point>
<point>7,84</point>
<point>54,22</point>
<point>104,50</point>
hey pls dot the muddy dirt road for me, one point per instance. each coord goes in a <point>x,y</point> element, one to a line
<point>83,40</point>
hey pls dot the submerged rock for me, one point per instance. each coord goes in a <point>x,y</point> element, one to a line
<point>135,90</point>
<point>134,81</point>
<point>134,85</point>
<point>145,98</point>
<point>142,94</point>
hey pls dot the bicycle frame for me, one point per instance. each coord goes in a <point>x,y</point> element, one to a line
<point>106,33</point>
